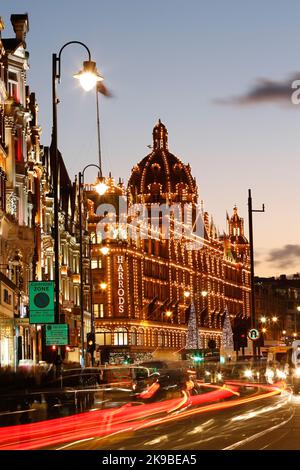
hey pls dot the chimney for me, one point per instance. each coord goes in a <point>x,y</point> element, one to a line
<point>20,25</point>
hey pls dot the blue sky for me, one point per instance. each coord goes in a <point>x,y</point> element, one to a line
<point>171,60</point>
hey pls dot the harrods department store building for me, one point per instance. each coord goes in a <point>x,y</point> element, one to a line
<point>153,268</point>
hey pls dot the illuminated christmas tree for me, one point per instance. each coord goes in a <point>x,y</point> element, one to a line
<point>192,341</point>
<point>227,337</point>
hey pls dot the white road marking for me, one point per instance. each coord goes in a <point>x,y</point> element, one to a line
<point>256,436</point>
<point>75,442</point>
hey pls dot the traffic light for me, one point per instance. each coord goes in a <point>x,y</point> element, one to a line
<point>197,356</point>
<point>127,360</point>
<point>91,342</point>
<point>243,339</point>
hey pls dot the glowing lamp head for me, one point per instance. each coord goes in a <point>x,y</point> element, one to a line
<point>298,308</point>
<point>263,320</point>
<point>103,286</point>
<point>264,330</point>
<point>204,293</point>
<point>187,294</point>
<point>274,319</point>
<point>284,332</point>
<point>168,313</point>
<point>89,75</point>
<point>101,187</point>
<point>104,250</point>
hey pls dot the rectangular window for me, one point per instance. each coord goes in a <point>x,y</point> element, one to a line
<point>94,263</point>
<point>99,310</point>
<point>13,86</point>
<point>6,297</point>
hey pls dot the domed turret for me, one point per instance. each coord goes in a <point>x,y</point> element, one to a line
<point>161,177</point>
<point>236,228</point>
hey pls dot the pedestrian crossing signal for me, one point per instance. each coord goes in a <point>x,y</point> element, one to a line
<point>91,342</point>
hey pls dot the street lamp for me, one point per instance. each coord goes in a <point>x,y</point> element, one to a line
<point>103,285</point>
<point>80,185</point>
<point>104,250</point>
<point>87,76</point>
<point>251,248</point>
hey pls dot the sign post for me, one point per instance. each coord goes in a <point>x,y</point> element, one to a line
<point>57,334</point>
<point>253,334</point>
<point>41,302</point>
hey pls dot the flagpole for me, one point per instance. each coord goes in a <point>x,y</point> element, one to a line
<point>98,132</point>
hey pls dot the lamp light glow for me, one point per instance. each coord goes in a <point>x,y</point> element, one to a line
<point>101,187</point>
<point>88,76</point>
<point>104,250</point>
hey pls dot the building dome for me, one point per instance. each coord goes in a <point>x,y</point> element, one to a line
<point>161,176</point>
<point>236,228</point>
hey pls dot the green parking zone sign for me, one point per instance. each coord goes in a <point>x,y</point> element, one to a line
<point>41,302</point>
<point>57,334</point>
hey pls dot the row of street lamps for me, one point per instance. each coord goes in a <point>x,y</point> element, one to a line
<point>274,320</point>
<point>88,78</point>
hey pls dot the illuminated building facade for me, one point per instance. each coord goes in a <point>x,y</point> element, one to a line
<point>20,160</point>
<point>69,256</point>
<point>154,267</point>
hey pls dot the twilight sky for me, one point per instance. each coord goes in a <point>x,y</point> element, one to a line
<point>216,73</point>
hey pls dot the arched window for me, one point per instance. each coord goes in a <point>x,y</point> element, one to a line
<point>120,337</point>
<point>161,339</point>
<point>133,337</point>
<point>155,338</point>
<point>141,339</point>
<point>104,337</point>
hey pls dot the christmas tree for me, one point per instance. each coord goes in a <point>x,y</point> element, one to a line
<point>192,341</point>
<point>227,337</point>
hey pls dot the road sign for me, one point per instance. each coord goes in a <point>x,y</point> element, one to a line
<point>41,302</point>
<point>253,334</point>
<point>57,334</point>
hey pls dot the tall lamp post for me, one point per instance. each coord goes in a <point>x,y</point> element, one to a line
<point>250,212</point>
<point>101,188</point>
<point>88,78</point>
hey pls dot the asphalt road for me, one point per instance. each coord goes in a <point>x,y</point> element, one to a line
<point>270,423</point>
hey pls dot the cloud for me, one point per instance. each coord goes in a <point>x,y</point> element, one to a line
<point>286,257</point>
<point>264,91</point>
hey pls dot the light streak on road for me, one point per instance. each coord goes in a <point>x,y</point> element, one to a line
<point>104,423</point>
<point>259,434</point>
